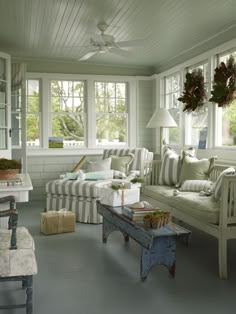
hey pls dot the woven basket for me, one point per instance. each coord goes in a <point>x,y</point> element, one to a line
<point>8,174</point>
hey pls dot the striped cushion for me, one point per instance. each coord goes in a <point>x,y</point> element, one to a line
<point>218,184</point>
<point>196,185</point>
<point>170,168</point>
<point>74,187</point>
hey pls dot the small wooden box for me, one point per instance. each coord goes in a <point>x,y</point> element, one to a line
<point>54,222</point>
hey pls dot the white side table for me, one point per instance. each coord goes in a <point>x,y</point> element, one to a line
<point>20,192</point>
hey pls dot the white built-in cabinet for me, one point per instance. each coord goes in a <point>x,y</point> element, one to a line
<point>5,105</point>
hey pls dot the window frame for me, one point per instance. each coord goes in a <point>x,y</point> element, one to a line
<point>113,113</point>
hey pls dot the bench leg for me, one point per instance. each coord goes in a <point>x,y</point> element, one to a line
<point>108,227</point>
<point>162,252</point>
<point>222,251</point>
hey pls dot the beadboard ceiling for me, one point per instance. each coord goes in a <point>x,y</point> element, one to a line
<point>60,30</point>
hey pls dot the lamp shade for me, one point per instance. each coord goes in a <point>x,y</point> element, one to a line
<point>161,118</point>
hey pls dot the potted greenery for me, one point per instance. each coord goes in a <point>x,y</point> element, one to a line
<point>9,168</point>
<point>147,221</point>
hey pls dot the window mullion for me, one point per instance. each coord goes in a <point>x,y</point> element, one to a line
<point>90,114</point>
<point>45,131</point>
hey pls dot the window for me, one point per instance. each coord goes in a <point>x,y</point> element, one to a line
<point>33,113</point>
<point>68,111</point>
<point>111,113</point>
<point>227,115</point>
<point>85,111</point>
<point>171,95</point>
<point>198,120</point>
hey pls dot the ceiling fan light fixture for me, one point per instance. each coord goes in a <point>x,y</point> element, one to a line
<point>103,49</point>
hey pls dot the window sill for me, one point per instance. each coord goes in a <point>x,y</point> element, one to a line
<point>63,152</point>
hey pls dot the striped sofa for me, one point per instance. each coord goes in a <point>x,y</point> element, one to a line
<point>81,196</point>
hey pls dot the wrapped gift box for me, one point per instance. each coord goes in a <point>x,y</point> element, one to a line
<point>120,197</point>
<point>53,222</point>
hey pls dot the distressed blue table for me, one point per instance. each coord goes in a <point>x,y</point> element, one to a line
<point>158,246</point>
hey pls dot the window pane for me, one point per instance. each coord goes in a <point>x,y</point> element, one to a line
<point>174,133</point>
<point>110,91</point>
<point>111,129</point>
<point>229,125</point>
<point>69,127</point>
<point>228,114</point>
<point>67,111</point>
<point>33,138</point>
<point>78,89</point>
<point>33,113</point>
<point>171,95</point>
<point>174,136</point>
<point>32,104</point>
<point>99,89</point>
<point>32,87</point>
<point>121,90</point>
<point>198,120</point>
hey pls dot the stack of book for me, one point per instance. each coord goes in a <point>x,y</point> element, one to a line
<point>137,214</point>
<point>10,182</point>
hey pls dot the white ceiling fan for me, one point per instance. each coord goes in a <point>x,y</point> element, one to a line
<point>104,43</point>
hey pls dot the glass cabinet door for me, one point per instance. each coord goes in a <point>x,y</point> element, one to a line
<point>5,106</point>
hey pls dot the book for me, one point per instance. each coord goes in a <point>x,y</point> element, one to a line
<point>134,211</point>
<point>10,182</point>
<point>136,214</point>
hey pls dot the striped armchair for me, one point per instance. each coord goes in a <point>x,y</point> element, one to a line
<point>81,196</point>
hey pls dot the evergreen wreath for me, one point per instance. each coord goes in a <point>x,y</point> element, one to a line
<point>194,94</point>
<point>224,83</point>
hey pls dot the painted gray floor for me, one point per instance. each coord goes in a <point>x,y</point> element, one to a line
<point>80,274</point>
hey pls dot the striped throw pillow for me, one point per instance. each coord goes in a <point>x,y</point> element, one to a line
<point>218,184</point>
<point>170,167</point>
<point>196,185</point>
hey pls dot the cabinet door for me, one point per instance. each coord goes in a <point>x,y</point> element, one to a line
<point>5,106</point>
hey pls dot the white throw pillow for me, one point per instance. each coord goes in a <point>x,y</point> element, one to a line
<point>218,184</point>
<point>196,186</point>
<point>101,165</point>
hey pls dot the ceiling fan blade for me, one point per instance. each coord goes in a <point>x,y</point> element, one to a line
<point>131,43</point>
<point>88,55</point>
<point>120,52</point>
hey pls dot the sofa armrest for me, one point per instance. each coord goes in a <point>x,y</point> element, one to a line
<point>150,171</point>
<point>227,203</point>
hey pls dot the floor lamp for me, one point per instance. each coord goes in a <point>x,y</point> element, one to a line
<point>162,119</point>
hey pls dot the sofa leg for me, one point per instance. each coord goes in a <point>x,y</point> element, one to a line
<point>222,251</point>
